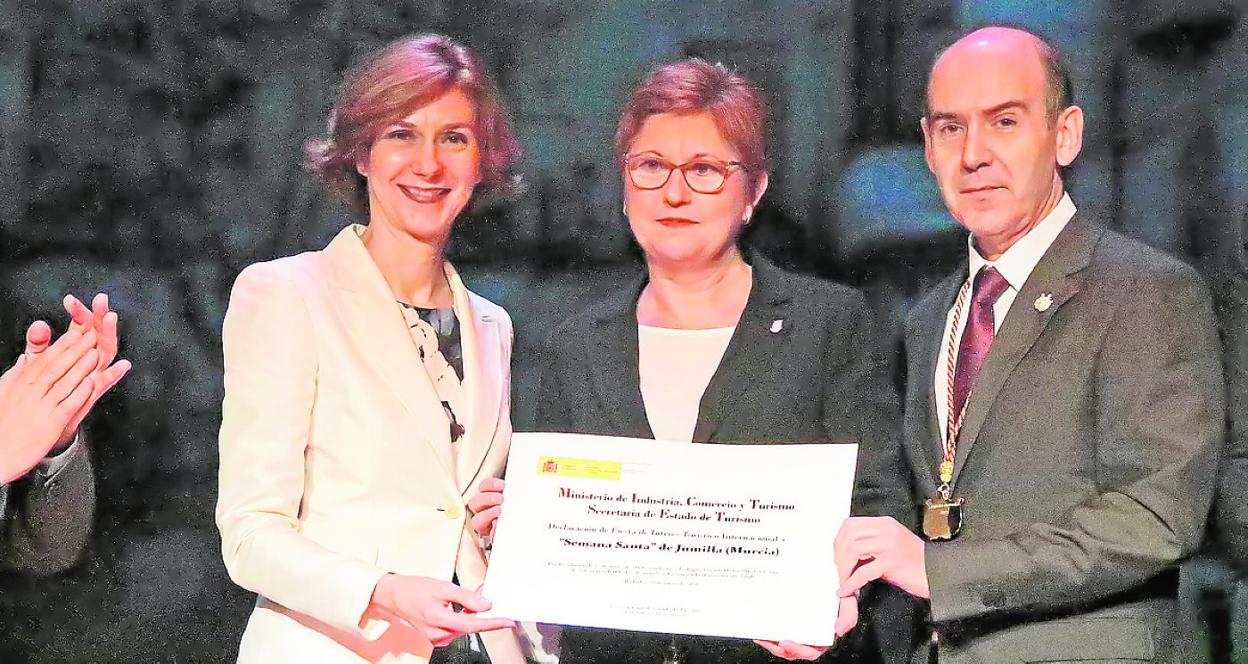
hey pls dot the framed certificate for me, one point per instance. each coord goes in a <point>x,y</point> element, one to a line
<point>715,540</point>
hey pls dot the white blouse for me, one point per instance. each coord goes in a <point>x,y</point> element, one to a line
<point>675,367</point>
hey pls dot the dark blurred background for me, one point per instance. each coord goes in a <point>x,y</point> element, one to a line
<point>152,150</point>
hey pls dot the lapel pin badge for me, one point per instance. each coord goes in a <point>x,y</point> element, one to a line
<point>1043,302</point>
<point>777,325</point>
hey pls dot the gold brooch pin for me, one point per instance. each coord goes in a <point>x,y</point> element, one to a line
<point>1043,302</point>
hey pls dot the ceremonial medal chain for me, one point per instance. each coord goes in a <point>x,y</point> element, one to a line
<point>953,423</point>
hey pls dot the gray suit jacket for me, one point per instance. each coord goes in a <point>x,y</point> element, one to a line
<point>1087,457</point>
<point>819,378</point>
<point>45,517</point>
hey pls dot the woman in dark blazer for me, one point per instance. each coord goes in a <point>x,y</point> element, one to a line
<point>712,345</point>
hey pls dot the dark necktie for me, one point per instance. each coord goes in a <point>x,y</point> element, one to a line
<point>977,337</point>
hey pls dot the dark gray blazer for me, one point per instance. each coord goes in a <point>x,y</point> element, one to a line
<point>1087,458</point>
<point>818,379</point>
<point>1232,505</point>
<point>45,517</point>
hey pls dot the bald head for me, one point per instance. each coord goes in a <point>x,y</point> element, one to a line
<point>997,132</point>
<point>1019,46</point>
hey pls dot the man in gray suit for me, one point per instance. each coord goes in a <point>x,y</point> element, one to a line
<point>47,491</point>
<point>1064,408</point>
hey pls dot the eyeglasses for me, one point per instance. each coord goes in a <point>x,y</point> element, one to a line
<point>703,175</point>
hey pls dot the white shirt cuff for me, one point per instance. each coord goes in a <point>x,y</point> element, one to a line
<point>51,465</point>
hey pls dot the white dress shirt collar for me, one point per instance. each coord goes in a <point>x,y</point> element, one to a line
<point>1021,258</point>
<point>1016,265</point>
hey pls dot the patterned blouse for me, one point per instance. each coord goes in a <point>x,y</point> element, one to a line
<point>436,334</point>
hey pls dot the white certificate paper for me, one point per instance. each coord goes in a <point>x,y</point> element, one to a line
<point>715,540</point>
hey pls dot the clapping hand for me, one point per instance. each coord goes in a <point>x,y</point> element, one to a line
<point>46,394</point>
<point>107,373</point>
<point>40,395</point>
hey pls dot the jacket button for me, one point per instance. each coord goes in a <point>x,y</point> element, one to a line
<point>453,512</point>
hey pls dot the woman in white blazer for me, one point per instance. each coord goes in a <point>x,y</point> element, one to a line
<point>366,389</point>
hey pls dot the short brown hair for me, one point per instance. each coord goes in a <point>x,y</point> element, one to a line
<point>697,86</point>
<point>400,78</point>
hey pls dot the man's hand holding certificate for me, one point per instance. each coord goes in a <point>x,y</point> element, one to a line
<point>715,540</point>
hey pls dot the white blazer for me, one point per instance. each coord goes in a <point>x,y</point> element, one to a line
<point>336,460</point>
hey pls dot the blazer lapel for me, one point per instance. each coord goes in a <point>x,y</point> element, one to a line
<point>1051,285</point>
<point>379,332</point>
<point>478,334</point>
<point>613,363</point>
<point>927,331</point>
<point>760,333</point>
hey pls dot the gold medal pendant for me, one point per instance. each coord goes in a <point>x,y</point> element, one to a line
<point>942,515</point>
<point>942,518</point>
